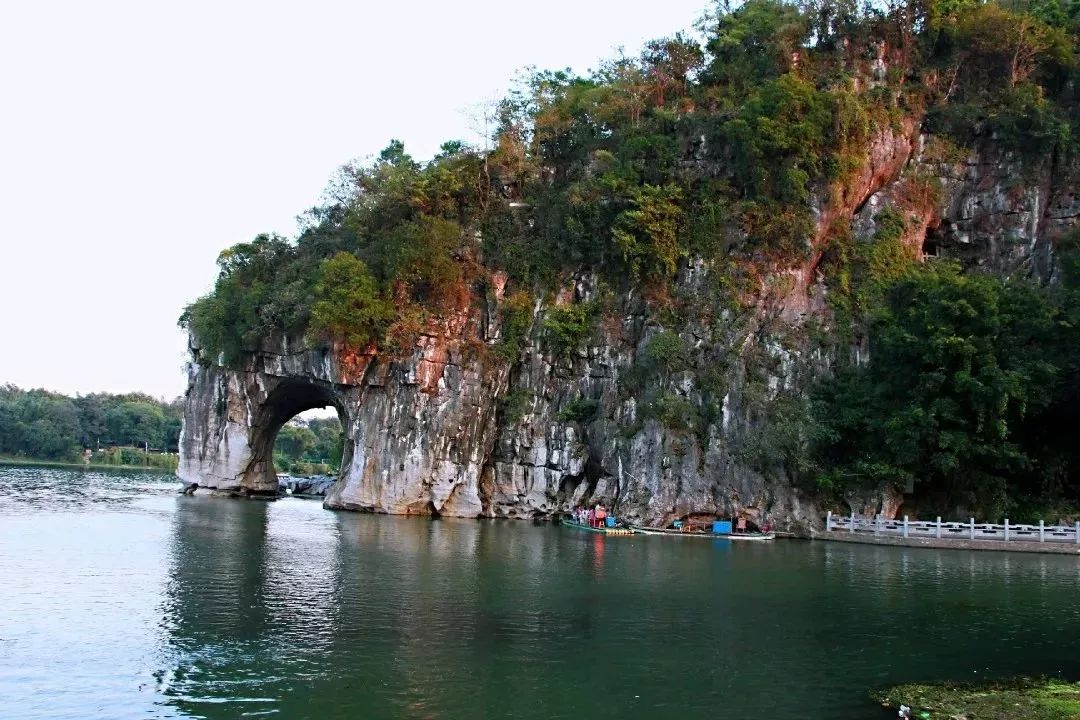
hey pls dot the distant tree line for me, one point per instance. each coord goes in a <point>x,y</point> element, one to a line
<point>50,426</point>
<point>307,447</point>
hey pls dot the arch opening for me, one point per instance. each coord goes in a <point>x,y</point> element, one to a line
<point>285,402</point>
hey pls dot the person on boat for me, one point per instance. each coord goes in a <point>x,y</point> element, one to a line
<point>601,514</point>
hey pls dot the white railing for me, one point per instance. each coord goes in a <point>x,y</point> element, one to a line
<point>937,529</point>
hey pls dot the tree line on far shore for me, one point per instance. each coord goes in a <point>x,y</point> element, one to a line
<point>45,425</point>
<point>137,429</point>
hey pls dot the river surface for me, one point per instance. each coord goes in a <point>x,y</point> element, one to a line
<point>120,599</point>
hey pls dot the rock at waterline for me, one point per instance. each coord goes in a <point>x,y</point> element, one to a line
<point>317,485</point>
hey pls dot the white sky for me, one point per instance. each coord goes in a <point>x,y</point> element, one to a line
<point>138,139</point>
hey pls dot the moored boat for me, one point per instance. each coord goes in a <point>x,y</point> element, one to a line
<point>601,530</point>
<point>676,532</point>
<point>752,536</point>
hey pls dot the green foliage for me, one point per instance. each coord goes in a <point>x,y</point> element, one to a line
<point>674,412</point>
<point>307,447</point>
<point>647,234</point>
<point>514,405</point>
<point>418,259</point>
<point>961,368</point>
<point>1010,67</point>
<point>1017,699</point>
<point>665,353</point>
<point>861,272</point>
<point>137,422</point>
<point>581,410</point>
<point>783,439</point>
<point>49,426</point>
<point>517,319</point>
<point>260,289</point>
<point>754,44</point>
<point>347,305</point>
<point>780,139</point>
<point>294,440</point>
<point>566,327</point>
<point>1021,117</point>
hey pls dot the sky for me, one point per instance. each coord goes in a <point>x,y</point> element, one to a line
<point>139,139</point>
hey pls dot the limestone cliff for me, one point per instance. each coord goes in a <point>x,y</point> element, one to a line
<point>456,429</point>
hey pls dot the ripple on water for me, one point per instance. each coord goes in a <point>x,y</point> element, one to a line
<point>36,489</point>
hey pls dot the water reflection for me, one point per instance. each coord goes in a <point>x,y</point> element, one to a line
<point>214,609</point>
<point>158,605</point>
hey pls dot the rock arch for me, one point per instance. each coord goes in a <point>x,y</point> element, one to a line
<point>232,417</point>
<point>419,431</point>
<point>289,397</point>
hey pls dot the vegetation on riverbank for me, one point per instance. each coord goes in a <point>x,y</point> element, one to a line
<point>971,395</point>
<point>44,425</point>
<point>31,462</point>
<point>1020,699</point>
<point>101,430</point>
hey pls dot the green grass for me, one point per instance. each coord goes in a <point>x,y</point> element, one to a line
<point>31,462</point>
<point>1017,699</point>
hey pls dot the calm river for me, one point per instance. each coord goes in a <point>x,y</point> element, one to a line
<point>119,599</point>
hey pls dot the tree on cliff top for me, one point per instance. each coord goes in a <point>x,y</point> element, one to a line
<point>348,307</point>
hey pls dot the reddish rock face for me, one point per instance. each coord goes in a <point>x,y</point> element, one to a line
<point>353,363</point>
<point>888,152</point>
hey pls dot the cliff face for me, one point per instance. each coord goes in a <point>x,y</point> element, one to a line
<point>454,429</point>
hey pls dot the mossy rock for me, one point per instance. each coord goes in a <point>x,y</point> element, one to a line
<point>1017,699</point>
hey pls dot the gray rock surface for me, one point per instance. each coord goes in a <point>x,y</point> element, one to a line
<point>315,485</point>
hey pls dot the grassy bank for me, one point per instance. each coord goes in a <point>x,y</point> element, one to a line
<point>30,462</point>
<point>1018,699</point>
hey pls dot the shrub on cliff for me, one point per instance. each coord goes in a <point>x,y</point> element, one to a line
<point>566,327</point>
<point>517,316</point>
